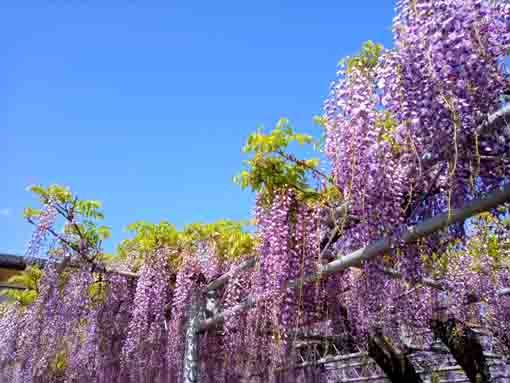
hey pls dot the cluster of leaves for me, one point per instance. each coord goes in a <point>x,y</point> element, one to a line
<point>59,363</point>
<point>81,216</point>
<point>366,59</point>
<point>488,238</point>
<point>230,238</point>
<point>271,169</point>
<point>27,286</point>
<point>98,290</point>
<point>147,238</point>
<point>387,125</point>
<point>83,234</point>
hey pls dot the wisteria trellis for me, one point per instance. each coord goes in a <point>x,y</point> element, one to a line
<point>414,135</point>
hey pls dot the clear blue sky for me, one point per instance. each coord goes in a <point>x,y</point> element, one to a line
<point>146,108</point>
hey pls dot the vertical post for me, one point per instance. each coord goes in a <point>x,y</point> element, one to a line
<point>196,314</point>
<point>395,364</point>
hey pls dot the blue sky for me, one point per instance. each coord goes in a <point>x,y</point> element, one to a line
<point>146,105</point>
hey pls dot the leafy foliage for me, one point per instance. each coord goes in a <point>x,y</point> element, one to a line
<point>366,59</point>
<point>29,280</point>
<point>80,216</point>
<point>231,240</point>
<point>271,169</point>
<point>149,236</point>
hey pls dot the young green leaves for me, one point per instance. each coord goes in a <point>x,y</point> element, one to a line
<point>57,193</point>
<point>62,197</point>
<point>271,168</point>
<point>81,230</point>
<point>229,237</point>
<point>366,59</point>
<point>28,279</point>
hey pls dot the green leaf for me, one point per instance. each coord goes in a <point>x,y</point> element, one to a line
<point>60,193</point>
<point>320,120</point>
<point>31,212</point>
<point>38,189</point>
<point>104,232</point>
<point>270,169</point>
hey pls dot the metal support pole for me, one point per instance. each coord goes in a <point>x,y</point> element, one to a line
<point>196,314</point>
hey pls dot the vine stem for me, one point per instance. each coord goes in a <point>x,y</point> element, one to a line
<point>292,158</point>
<point>96,267</point>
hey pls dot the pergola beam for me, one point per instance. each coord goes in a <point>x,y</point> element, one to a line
<point>222,280</point>
<point>421,230</point>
